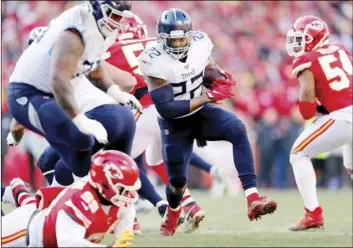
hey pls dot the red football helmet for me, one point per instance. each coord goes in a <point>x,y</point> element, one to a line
<point>137,30</point>
<point>307,34</point>
<point>116,177</point>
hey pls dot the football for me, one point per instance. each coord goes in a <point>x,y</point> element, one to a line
<point>211,73</point>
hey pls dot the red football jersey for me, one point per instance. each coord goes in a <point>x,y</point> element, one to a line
<point>45,196</point>
<point>332,70</point>
<point>123,55</point>
<point>81,202</point>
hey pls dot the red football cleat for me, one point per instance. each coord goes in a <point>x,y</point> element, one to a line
<point>137,227</point>
<point>193,216</point>
<point>170,221</point>
<point>258,206</point>
<point>311,219</point>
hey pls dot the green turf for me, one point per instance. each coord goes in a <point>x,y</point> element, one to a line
<point>226,223</point>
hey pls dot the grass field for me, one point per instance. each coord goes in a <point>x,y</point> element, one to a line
<point>226,223</point>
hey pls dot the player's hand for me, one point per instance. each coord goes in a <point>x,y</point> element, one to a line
<point>124,239</point>
<point>220,92</point>
<point>124,98</point>
<point>11,140</point>
<point>228,80</point>
<point>91,127</point>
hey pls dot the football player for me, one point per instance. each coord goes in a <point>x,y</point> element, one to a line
<point>80,215</point>
<point>49,93</point>
<point>120,58</point>
<point>173,70</point>
<point>324,72</point>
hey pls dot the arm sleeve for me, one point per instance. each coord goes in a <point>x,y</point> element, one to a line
<point>71,234</point>
<point>126,220</point>
<point>166,106</point>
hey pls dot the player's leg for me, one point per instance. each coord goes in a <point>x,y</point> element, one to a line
<point>18,193</point>
<point>217,173</point>
<point>120,125</point>
<point>14,226</point>
<point>46,163</point>
<point>219,124</point>
<point>176,149</point>
<point>347,158</point>
<point>40,113</point>
<point>325,134</point>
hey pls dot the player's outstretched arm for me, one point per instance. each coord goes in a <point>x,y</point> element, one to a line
<point>307,103</point>
<point>102,80</point>
<point>71,234</point>
<point>163,97</point>
<point>120,77</point>
<point>66,53</point>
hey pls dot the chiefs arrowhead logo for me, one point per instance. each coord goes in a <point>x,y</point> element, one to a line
<point>113,171</point>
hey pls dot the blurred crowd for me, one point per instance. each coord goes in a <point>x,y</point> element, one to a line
<point>249,39</point>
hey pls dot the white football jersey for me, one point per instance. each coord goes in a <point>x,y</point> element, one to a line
<point>33,67</point>
<point>186,78</point>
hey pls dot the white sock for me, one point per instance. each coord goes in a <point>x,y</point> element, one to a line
<point>306,180</point>
<point>76,178</point>
<point>55,183</point>
<point>213,171</point>
<point>250,191</point>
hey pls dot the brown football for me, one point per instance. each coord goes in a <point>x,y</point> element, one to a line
<point>211,73</point>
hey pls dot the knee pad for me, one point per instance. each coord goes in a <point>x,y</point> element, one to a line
<point>296,157</point>
<point>48,159</point>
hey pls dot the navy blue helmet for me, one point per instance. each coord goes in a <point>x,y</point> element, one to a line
<point>175,24</point>
<point>112,15</point>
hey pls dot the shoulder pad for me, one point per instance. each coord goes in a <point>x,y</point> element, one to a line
<point>301,63</point>
<point>152,62</point>
<point>202,37</point>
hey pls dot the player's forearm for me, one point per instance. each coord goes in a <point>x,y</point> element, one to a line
<point>168,108</point>
<point>101,79</point>
<point>64,96</point>
<point>199,101</point>
<point>124,79</point>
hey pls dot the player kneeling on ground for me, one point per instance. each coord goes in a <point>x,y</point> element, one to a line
<point>83,213</point>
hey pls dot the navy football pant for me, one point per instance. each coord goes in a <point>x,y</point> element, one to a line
<point>40,113</point>
<point>209,123</point>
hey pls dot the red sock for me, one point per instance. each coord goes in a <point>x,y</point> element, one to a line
<point>25,198</point>
<point>161,172</point>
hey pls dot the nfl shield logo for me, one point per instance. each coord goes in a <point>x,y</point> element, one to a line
<point>166,131</point>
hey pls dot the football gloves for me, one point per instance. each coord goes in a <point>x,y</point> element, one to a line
<point>124,98</point>
<point>91,127</point>
<point>124,239</point>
